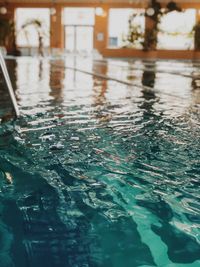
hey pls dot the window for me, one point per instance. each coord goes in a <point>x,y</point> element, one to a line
<point>119,28</point>
<point>175,30</point>
<point>28,36</point>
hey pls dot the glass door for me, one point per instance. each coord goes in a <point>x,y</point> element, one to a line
<point>70,37</point>
<point>84,38</point>
<point>79,38</point>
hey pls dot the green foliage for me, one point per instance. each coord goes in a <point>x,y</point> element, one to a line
<point>35,22</point>
<point>196,30</point>
<point>135,35</point>
<point>41,32</point>
<point>6,30</point>
<point>148,40</point>
<point>38,25</point>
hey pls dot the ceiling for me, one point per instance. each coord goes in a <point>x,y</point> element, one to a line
<point>94,1</point>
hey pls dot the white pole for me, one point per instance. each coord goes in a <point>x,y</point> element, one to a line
<point>8,84</point>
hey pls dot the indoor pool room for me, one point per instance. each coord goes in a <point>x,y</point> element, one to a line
<point>99,133</point>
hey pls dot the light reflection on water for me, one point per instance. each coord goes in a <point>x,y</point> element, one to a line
<point>103,174</point>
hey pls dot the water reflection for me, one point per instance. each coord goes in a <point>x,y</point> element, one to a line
<point>100,86</point>
<point>149,96</point>
<point>148,78</point>
<point>111,181</point>
<point>56,78</point>
<point>196,89</point>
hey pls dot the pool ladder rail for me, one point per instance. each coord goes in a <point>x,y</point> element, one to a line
<point>9,85</point>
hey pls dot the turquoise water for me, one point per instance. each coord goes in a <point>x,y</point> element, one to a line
<point>100,173</point>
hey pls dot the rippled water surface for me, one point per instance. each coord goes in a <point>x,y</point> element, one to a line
<point>101,172</point>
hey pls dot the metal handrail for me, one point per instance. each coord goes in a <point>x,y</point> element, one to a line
<point>9,85</point>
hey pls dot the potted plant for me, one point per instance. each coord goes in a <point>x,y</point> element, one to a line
<point>8,36</point>
<point>39,27</point>
<point>154,13</point>
<point>6,29</point>
<point>196,31</point>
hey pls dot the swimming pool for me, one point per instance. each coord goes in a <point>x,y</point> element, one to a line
<point>101,172</point>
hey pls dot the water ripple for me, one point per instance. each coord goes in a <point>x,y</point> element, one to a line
<point>101,174</point>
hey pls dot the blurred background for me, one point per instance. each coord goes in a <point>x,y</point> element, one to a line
<point>111,28</point>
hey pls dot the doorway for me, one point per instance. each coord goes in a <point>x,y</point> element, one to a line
<point>79,38</point>
<point>79,29</point>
